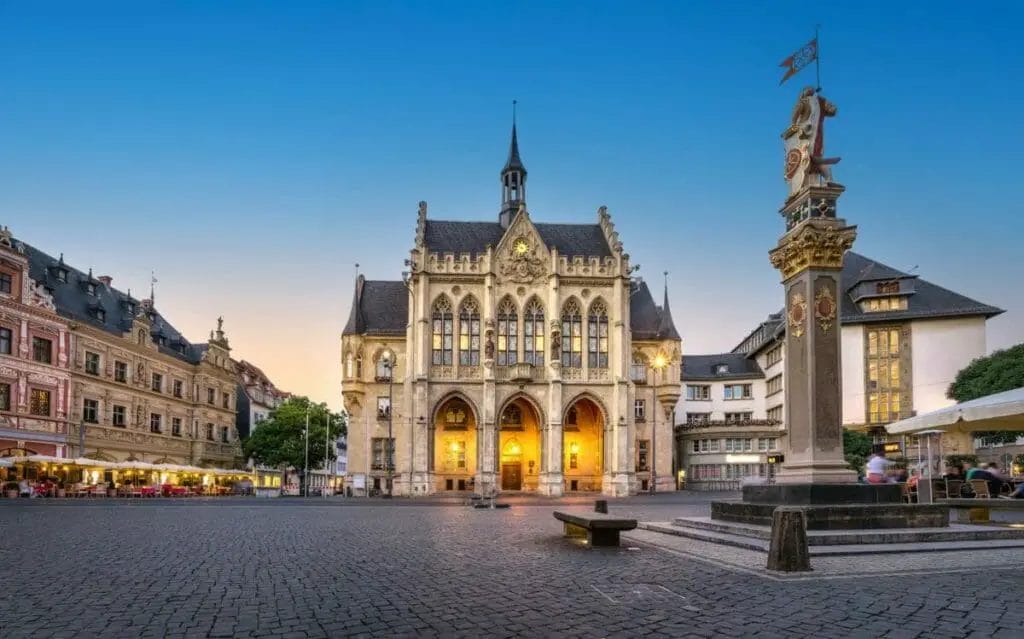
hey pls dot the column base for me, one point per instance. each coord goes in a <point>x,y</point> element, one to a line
<point>615,485</point>
<point>816,473</point>
<point>551,485</point>
<point>486,484</point>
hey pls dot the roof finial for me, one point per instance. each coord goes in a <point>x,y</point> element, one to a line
<point>514,102</point>
<point>152,288</point>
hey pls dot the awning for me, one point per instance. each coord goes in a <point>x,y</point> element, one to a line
<point>125,465</point>
<point>5,463</point>
<point>1002,411</point>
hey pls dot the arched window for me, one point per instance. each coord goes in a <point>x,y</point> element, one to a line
<point>533,333</point>
<point>597,336</point>
<point>469,333</point>
<point>508,333</point>
<point>572,335</point>
<point>441,341</point>
<point>384,371</point>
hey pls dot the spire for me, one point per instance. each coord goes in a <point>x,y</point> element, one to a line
<point>666,327</point>
<point>513,178</point>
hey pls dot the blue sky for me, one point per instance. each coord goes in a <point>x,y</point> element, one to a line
<point>252,153</point>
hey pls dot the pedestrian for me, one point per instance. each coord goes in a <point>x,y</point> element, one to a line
<point>876,467</point>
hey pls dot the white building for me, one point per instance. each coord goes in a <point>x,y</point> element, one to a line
<point>903,341</point>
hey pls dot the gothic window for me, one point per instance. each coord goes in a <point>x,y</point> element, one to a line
<point>441,342</point>
<point>638,369</point>
<point>508,333</point>
<point>533,333</point>
<point>383,373</point>
<point>597,336</point>
<point>572,335</point>
<point>469,333</point>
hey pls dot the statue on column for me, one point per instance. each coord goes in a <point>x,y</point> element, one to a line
<point>489,346</point>
<point>804,143</point>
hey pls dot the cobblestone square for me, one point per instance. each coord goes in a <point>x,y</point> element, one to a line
<point>293,568</point>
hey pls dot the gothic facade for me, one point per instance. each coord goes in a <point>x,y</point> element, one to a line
<point>513,355</point>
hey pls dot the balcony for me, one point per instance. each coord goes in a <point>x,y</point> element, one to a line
<point>519,373</point>
<point>727,423</point>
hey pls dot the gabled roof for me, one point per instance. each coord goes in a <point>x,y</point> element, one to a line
<point>445,236</point>
<point>379,307</point>
<point>74,303</point>
<point>927,301</point>
<point>704,368</point>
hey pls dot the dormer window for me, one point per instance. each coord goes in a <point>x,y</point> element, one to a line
<point>722,369</point>
<point>101,315</point>
<point>62,275</point>
<point>90,288</point>
<point>130,307</point>
<point>884,304</point>
<point>887,288</point>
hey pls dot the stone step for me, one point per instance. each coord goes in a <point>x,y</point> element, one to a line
<point>953,533</point>
<point>726,539</point>
<point>670,529</point>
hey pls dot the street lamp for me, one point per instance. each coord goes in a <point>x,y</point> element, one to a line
<point>660,362</point>
<point>387,358</point>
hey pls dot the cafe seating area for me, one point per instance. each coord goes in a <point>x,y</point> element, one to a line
<point>56,477</point>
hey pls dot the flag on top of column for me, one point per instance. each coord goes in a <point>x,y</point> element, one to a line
<point>803,56</point>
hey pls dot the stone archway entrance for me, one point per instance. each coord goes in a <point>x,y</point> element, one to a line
<point>454,446</point>
<point>519,446</point>
<point>583,446</point>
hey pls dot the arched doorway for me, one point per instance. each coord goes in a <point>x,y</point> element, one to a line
<point>583,446</point>
<point>519,445</point>
<point>454,451</point>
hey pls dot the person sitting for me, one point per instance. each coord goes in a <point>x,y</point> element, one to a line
<point>25,489</point>
<point>954,472</point>
<point>994,481</point>
<point>1002,481</point>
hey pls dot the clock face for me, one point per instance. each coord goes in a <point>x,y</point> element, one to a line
<point>520,246</point>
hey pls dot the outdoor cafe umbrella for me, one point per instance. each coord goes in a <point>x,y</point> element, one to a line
<point>1001,411</point>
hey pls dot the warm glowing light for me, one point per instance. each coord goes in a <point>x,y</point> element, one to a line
<point>660,361</point>
<point>456,447</point>
<point>574,448</point>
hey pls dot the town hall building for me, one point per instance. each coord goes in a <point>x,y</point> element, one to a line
<point>513,355</point>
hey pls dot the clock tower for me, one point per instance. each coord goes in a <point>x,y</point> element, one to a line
<point>513,182</point>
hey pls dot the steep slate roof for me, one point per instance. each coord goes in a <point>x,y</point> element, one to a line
<point>514,161</point>
<point>927,301</point>
<point>74,303</point>
<point>379,307</point>
<point>702,367</point>
<point>647,320</point>
<point>444,236</point>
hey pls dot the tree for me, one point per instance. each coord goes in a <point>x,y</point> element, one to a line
<point>856,448</point>
<point>1001,371</point>
<point>280,440</point>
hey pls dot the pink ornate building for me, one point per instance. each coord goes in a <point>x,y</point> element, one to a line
<point>35,347</point>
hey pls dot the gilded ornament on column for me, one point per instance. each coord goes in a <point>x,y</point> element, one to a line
<point>812,246</point>
<point>825,308</point>
<point>797,313</point>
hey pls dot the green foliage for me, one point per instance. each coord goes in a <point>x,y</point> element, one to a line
<point>1001,371</point>
<point>856,448</point>
<point>280,439</point>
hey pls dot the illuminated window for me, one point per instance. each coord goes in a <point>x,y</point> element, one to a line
<point>508,333</point>
<point>441,338</point>
<point>884,376</point>
<point>469,333</point>
<point>572,335</point>
<point>39,402</point>
<point>883,304</point>
<point>597,336</point>
<point>533,333</point>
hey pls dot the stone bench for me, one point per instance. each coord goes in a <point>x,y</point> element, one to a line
<point>600,530</point>
<point>978,511</point>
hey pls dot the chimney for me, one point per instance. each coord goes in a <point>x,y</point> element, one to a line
<point>106,279</point>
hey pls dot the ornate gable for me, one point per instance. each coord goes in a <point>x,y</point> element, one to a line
<point>521,256</point>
